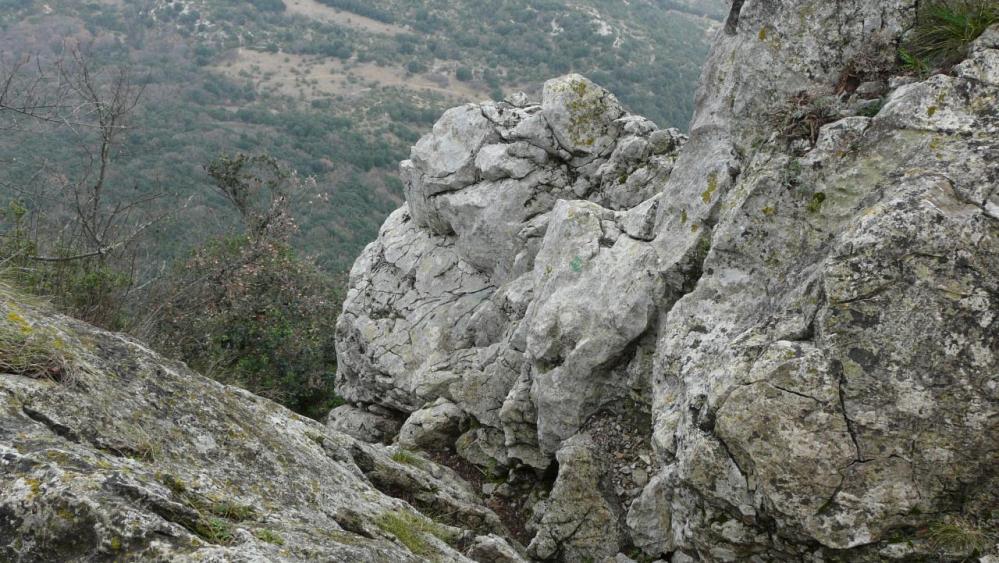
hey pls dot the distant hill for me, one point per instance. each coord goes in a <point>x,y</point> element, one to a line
<point>339,89</point>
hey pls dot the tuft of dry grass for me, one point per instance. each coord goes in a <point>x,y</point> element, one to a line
<point>959,535</point>
<point>34,352</point>
<point>802,116</point>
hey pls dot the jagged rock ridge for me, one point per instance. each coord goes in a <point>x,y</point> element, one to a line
<point>806,327</point>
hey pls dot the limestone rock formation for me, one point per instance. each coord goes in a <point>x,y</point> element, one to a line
<point>806,322</point>
<point>777,340</point>
<point>109,452</point>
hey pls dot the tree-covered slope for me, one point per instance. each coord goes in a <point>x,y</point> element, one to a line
<point>337,89</point>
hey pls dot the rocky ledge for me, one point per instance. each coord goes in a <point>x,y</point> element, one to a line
<point>109,452</point>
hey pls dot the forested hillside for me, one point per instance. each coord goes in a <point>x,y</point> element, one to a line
<point>336,89</point>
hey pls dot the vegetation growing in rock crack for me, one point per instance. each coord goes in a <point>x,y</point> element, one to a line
<point>945,29</point>
<point>269,536</point>
<point>32,351</point>
<point>409,529</point>
<point>960,535</point>
<point>802,116</point>
<point>215,515</point>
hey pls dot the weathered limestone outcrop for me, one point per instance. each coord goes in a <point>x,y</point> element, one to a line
<point>808,324</point>
<point>109,452</point>
<point>472,293</point>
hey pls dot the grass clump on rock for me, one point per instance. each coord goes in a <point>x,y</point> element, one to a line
<point>959,535</point>
<point>411,530</point>
<point>269,536</point>
<point>214,516</point>
<point>407,457</point>
<point>945,29</point>
<point>32,351</point>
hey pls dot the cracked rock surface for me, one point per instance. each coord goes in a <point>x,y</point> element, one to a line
<point>136,458</point>
<point>806,334</point>
<point>620,343</point>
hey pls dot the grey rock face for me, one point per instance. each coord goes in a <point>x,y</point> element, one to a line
<point>798,383</point>
<point>584,317</point>
<point>434,427</point>
<point>578,490</point>
<point>458,297</point>
<point>812,325</point>
<point>372,424</point>
<point>136,458</point>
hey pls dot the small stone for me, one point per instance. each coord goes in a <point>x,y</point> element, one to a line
<point>872,89</point>
<point>897,82</point>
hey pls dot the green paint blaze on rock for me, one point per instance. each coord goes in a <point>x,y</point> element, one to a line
<point>576,264</point>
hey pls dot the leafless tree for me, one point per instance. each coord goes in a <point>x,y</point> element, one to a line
<point>29,92</point>
<point>80,216</point>
<point>93,108</point>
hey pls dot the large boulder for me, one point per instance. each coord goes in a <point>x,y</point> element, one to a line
<point>111,452</point>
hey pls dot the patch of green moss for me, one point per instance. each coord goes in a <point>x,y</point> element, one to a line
<point>32,351</point>
<point>586,111</point>
<point>815,205</point>
<point>411,529</point>
<point>407,457</point>
<point>931,111</point>
<point>316,437</point>
<point>35,485</point>
<point>712,187</point>
<point>269,536</point>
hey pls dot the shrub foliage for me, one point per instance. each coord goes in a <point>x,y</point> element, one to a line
<point>245,308</point>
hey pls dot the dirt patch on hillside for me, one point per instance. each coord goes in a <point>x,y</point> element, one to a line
<point>310,78</point>
<point>321,12</point>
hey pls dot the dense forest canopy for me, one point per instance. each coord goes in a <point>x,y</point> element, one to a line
<point>201,173</point>
<point>336,89</point>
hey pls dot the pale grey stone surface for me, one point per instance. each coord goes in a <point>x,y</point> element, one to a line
<point>372,424</point>
<point>137,458</point>
<point>812,327</point>
<point>433,427</point>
